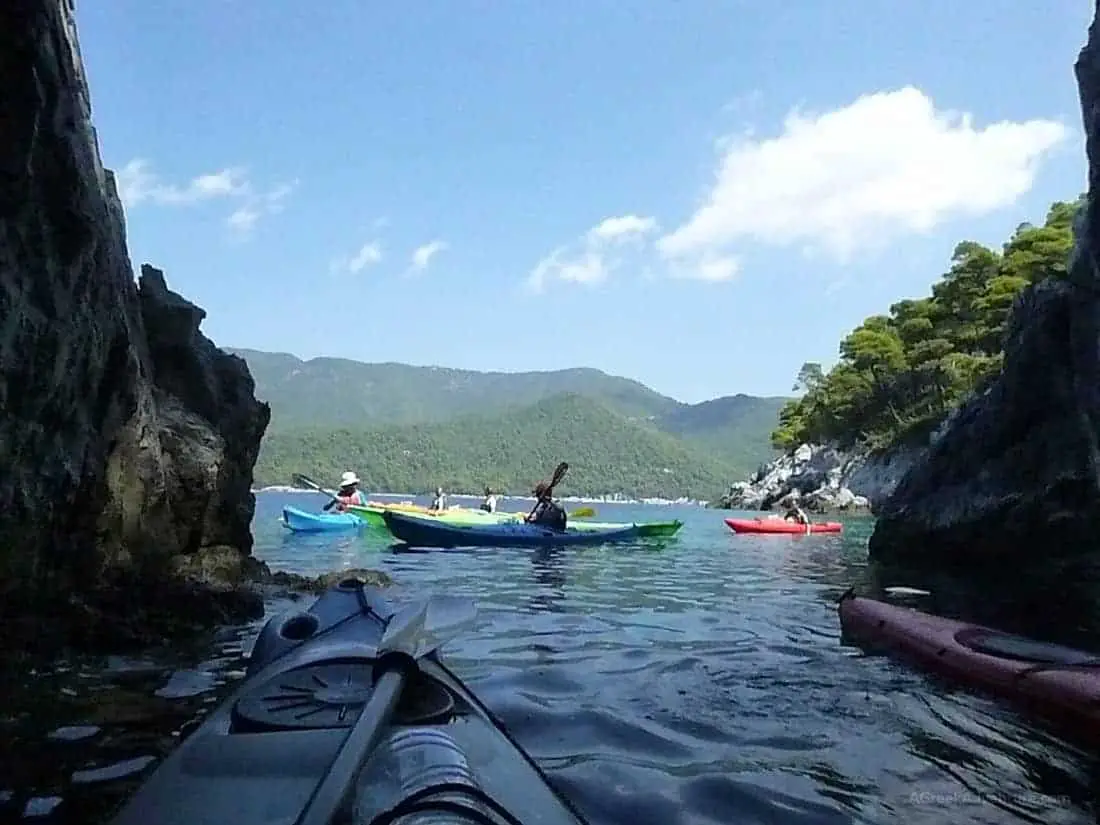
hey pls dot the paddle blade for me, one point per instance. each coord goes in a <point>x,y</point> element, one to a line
<point>583,512</point>
<point>559,474</point>
<point>418,629</point>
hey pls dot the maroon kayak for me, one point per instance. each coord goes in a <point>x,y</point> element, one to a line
<point>1058,683</point>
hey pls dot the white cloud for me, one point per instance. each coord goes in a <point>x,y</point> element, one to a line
<point>622,227</point>
<point>368,255</point>
<point>243,219</point>
<point>886,165</point>
<point>710,268</point>
<point>139,184</point>
<point>595,256</point>
<point>422,255</point>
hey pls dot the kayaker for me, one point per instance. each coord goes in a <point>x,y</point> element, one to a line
<point>440,500</point>
<point>348,493</point>
<point>547,513</point>
<point>489,505</point>
<point>796,513</point>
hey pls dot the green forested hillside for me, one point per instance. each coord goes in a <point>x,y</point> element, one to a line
<point>326,393</point>
<point>508,451</point>
<point>901,373</point>
<point>338,392</point>
<point>735,428</point>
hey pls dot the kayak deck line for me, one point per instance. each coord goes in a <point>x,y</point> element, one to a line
<point>260,756</point>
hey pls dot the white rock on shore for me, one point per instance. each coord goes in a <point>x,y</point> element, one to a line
<point>821,478</point>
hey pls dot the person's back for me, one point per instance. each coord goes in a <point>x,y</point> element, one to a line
<point>489,505</point>
<point>796,513</point>
<point>440,500</point>
<point>547,513</point>
<point>348,494</point>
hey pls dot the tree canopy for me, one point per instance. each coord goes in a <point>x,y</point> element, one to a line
<point>901,373</point>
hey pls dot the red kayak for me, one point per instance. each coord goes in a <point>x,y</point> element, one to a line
<point>1059,683</point>
<point>778,525</point>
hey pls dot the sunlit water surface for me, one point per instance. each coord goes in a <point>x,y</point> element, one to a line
<point>702,680</point>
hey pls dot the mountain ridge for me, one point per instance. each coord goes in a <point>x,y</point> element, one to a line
<point>509,452</point>
<point>397,401</point>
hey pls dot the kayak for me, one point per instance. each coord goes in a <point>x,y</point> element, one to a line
<point>1053,681</point>
<point>644,528</point>
<point>429,532</point>
<point>260,757</point>
<point>781,526</point>
<point>463,516</point>
<point>302,521</point>
<point>372,514</point>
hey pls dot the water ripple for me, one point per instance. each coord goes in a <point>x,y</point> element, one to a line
<point>701,680</point>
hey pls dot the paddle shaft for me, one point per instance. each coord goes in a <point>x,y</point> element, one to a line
<point>332,794</point>
<point>309,482</point>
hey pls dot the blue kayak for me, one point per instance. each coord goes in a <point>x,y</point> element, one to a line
<point>302,522</point>
<point>419,531</point>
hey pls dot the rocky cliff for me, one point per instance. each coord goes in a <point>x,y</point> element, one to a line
<point>822,479</point>
<point>1017,473</point>
<point>127,439</point>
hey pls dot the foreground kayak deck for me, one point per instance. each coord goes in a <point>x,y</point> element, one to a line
<point>430,532</point>
<point>780,526</point>
<point>257,759</point>
<point>304,522</point>
<point>1059,683</point>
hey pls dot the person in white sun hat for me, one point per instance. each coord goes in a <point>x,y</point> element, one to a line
<point>348,493</point>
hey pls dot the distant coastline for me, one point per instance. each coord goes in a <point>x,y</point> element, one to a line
<point>608,499</point>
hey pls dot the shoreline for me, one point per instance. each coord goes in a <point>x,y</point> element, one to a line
<point>606,499</point>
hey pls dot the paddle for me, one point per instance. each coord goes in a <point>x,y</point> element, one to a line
<point>583,512</point>
<point>559,474</point>
<point>306,481</point>
<point>411,634</point>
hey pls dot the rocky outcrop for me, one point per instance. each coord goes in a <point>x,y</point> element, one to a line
<point>127,439</point>
<point>1017,474</point>
<point>821,479</point>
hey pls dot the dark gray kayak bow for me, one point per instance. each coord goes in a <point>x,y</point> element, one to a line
<point>347,715</point>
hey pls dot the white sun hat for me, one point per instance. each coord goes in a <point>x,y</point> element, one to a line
<point>348,478</point>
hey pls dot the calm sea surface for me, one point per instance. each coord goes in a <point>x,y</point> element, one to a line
<point>699,682</point>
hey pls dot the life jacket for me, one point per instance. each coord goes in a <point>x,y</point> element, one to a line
<point>355,499</point>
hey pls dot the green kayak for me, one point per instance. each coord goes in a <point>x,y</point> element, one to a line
<point>645,528</point>
<point>373,517</point>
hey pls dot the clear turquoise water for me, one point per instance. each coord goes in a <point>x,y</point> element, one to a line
<point>702,682</point>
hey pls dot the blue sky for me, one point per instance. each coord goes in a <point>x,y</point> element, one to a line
<point>701,195</point>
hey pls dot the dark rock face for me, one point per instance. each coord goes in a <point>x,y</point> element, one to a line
<point>126,437</point>
<point>212,421</point>
<point>1019,467</point>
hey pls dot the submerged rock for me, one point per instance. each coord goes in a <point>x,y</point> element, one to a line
<point>1016,475</point>
<point>127,439</point>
